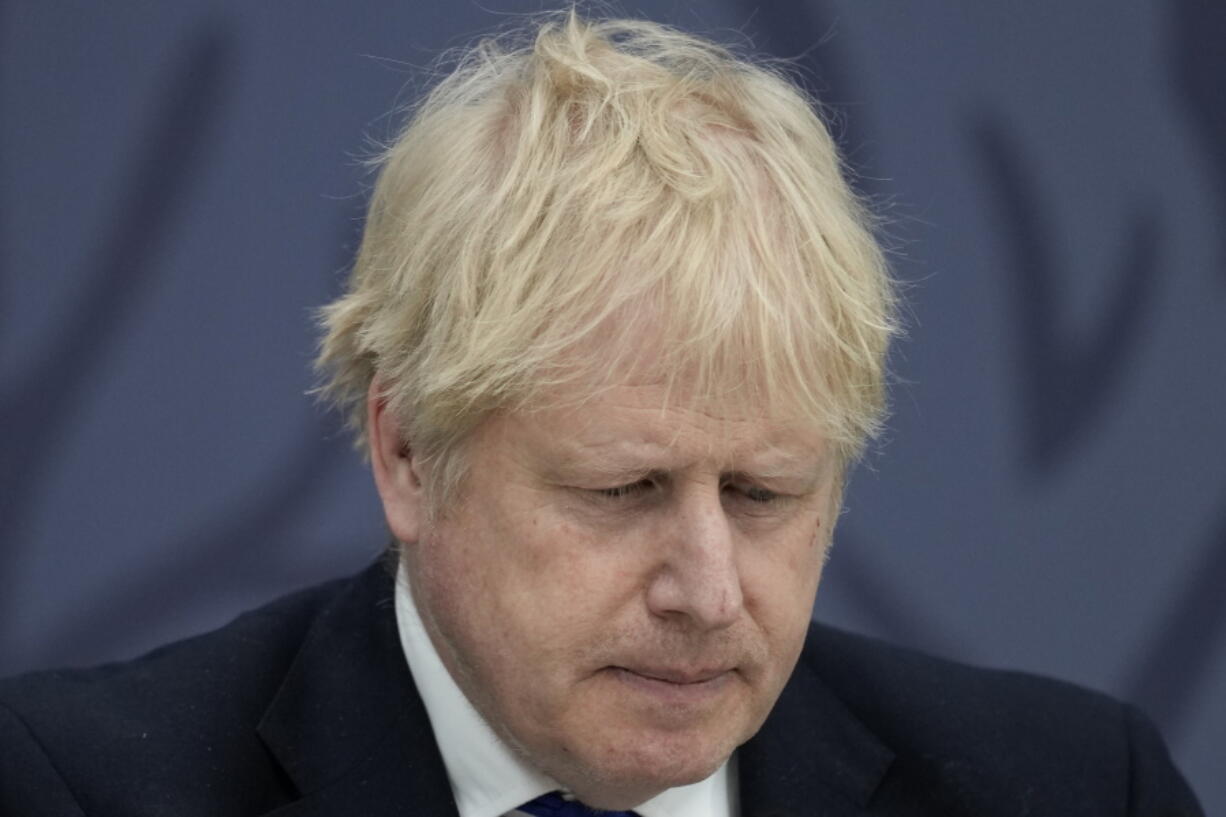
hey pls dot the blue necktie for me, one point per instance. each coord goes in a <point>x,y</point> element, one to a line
<point>554,805</point>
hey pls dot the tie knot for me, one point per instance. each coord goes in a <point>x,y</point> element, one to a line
<point>555,805</point>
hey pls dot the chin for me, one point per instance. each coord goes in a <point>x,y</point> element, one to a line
<point>646,765</point>
<point>620,792</point>
<point>624,744</point>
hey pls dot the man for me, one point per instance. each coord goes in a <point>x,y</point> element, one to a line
<point>614,336</point>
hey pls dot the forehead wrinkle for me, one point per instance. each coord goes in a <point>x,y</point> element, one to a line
<point>633,426</point>
<point>779,463</point>
<point>613,457</point>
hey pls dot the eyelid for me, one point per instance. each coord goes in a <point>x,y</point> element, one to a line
<point>763,495</point>
<point>755,493</point>
<point>631,487</point>
<point>619,491</point>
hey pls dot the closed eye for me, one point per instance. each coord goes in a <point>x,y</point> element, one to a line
<point>760,495</point>
<point>630,489</point>
<point>754,494</point>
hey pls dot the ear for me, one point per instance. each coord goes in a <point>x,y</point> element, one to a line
<point>396,475</point>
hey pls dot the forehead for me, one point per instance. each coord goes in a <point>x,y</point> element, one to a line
<point>648,421</point>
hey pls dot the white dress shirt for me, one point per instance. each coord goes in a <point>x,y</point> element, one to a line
<point>490,780</point>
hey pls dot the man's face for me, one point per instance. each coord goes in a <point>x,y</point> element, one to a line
<point>622,590</point>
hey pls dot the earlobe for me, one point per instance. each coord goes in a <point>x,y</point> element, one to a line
<point>395,472</point>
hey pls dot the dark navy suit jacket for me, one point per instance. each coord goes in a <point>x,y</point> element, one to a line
<point>306,708</point>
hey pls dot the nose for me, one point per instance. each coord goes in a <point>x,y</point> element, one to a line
<point>698,580</point>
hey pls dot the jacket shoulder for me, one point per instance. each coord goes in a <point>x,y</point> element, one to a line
<point>888,684</point>
<point>1000,735</point>
<point>180,717</point>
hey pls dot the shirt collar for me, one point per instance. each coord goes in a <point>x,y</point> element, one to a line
<point>487,778</point>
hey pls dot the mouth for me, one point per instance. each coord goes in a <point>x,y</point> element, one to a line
<point>675,686</point>
<point>680,677</point>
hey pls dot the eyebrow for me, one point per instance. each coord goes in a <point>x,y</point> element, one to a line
<point>806,479</point>
<point>626,461</point>
<point>571,461</point>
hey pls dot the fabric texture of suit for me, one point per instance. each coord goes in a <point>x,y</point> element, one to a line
<point>306,708</point>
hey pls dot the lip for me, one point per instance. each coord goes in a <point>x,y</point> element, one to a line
<point>679,677</point>
<point>674,686</point>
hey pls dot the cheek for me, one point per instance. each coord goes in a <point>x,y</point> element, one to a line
<point>780,581</point>
<point>807,555</point>
<point>542,586</point>
<point>586,568</point>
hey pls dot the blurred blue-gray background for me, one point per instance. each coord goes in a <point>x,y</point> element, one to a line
<point>181,183</point>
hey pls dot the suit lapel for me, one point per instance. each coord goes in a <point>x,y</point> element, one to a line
<point>812,756</point>
<point>347,724</point>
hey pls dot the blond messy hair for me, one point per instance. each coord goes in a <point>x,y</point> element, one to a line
<point>619,186</point>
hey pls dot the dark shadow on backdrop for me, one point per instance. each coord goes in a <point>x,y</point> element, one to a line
<point>42,401</point>
<point>1065,387</point>
<point>1198,57</point>
<point>1173,669</point>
